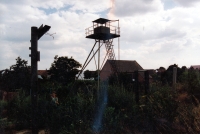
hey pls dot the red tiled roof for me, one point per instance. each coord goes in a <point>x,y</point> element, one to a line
<point>42,72</point>
<point>196,66</point>
<point>127,65</point>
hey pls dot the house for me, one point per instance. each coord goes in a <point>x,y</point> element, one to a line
<point>43,74</point>
<point>195,67</point>
<point>123,66</point>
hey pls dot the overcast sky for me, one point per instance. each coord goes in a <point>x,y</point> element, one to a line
<point>153,32</point>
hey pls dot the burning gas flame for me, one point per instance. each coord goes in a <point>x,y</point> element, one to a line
<point>112,7</point>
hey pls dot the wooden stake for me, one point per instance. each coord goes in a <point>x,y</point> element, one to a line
<point>174,77</point>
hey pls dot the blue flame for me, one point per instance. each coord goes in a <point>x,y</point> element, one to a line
<point>102,102</point>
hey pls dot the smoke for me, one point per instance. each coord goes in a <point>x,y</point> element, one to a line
<point>102,102</point>
<point>112,8</point>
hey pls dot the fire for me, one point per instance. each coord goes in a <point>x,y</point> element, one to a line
<point>112,3</point>
<point>111,12</point>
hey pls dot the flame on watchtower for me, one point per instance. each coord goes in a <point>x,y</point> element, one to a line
<point>112,8</point>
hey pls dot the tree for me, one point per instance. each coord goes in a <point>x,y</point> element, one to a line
<point>166,76</point>
<point>64,69</point>
<point>123,78</point>
<point>18,76</point>
<point>90,74</point>
<point>169,73</point>
<point>5,79</point>
<point>193,80</point>
<point>21,72</point>
<point>87,74</point>
<point>161,75</point>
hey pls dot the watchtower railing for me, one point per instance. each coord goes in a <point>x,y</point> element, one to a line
<point>113,29</point>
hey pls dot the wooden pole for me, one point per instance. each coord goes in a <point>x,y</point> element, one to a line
<point>174,77</point>
<point>118,43</point>
<point>136,88</point>
<point>146,73</point>
<point>34,78</point>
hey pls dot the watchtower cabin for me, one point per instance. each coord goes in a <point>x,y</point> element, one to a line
<point>103,29</point>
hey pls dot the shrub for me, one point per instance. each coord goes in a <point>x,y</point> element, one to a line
<point>19,111</point>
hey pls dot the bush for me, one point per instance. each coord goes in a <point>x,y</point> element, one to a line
<point>120,110</point>
<point>75,112</point>
<point>19,111</point>
<point>157,112</point>
<point>3,105</point>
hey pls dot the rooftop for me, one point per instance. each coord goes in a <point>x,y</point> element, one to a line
<point>196,66</point>
<point>127,65</point>
<point>101,20</point>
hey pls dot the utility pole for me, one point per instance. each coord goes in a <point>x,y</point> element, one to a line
<point>36,34</point>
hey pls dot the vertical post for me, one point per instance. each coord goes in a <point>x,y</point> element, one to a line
<point>118,42</point>
<point>98,69</point>
<point>174,77</point>
<point>136,88</point>
<point>93,29</point>
<point>146,74</point>
<point>34,79</point>
<point>118,49</point>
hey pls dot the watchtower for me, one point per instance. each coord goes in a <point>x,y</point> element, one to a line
<point>103,31</point>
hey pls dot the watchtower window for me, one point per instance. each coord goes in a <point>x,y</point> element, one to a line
<point>102,29</point>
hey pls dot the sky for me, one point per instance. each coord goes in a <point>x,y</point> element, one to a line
<point>155,33</point>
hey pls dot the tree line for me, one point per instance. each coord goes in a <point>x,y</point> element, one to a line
<point>63,70</point>
<point>77,106</point>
